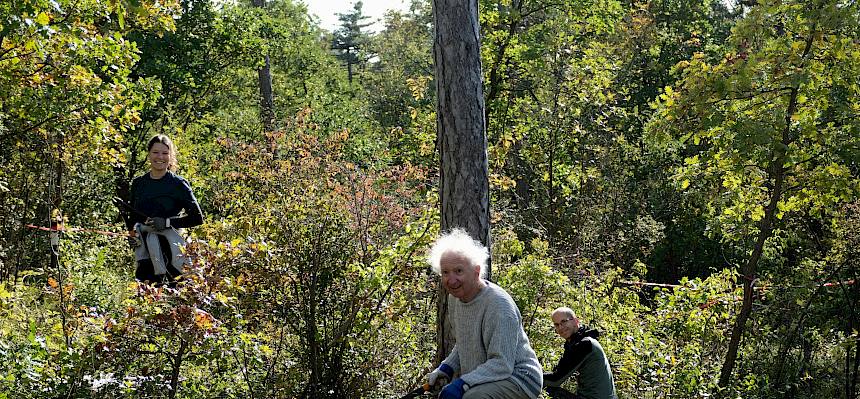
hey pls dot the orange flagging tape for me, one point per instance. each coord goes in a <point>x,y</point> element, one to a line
<point>646,284</point>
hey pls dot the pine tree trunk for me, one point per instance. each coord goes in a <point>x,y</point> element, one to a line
<point>461,133</point>
<point>267,102</point>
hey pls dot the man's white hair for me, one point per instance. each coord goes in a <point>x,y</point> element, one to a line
<point>459,242</point>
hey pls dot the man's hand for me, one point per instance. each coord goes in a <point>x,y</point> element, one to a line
<point>443,372</point>
<point>133,241</point>
<point>454,390</point>
<point>157,223</point>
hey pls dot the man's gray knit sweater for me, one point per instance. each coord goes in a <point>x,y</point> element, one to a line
<point>491,344</point>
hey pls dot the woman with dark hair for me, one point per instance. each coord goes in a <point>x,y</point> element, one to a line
<point>162,202</point>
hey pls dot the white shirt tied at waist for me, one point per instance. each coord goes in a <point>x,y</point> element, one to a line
<point>151,248</point>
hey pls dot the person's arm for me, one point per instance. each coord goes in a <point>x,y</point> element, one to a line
<point>502,335</point>
<point>193,214</point>
<point>570,361</point>
<point>453,360</point>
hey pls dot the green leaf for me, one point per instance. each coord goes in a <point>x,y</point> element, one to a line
<point>31,333</point>
<point>43,19</point>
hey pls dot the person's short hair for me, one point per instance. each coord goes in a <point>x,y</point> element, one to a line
<point>459,242</point>
<point>564,310</point>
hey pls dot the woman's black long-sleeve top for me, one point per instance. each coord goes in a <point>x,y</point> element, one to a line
<point>165,197</point>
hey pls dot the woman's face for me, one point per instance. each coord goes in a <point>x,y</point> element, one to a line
<point>159,157</point>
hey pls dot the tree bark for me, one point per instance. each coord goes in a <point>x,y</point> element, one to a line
<point>56,223</point>
<point>264,76</point>
<point>851,369</point>
<point>176,360</point>
<point>267,101</point>
<point>461,133</point>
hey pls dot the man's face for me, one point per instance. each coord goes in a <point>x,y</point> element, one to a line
<point>459,276</point>
<point>565,324</point>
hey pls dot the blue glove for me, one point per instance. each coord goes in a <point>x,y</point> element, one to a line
<point>454,390</point>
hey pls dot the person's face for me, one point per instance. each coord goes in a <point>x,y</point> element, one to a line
<point>459,276</point>
<point>159,157</point>
<point>565,325</point>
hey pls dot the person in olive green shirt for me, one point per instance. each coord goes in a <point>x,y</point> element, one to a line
<point>582,354</point>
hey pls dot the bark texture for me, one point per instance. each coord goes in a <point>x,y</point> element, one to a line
<point>461,133</point>
<point>264,76</point>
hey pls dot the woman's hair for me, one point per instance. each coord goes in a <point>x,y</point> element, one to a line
<point>160,138</point>
<point>459,242</point>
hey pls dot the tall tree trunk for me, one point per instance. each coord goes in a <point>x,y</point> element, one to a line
<point>748,272</point>
<point>776,175</point>
<point>852,368</point>
<point>56,224</point>
<point>267,101</point>
<point>851,375</point>
<point>461,133</point>
<point>264,75</point>
<point>176,360</point>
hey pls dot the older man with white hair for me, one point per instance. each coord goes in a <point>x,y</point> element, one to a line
<point>492,357</point>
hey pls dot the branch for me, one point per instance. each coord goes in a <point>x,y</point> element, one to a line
<point>3,54</point>
<point>747,96</point>
<point>57,116</point>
